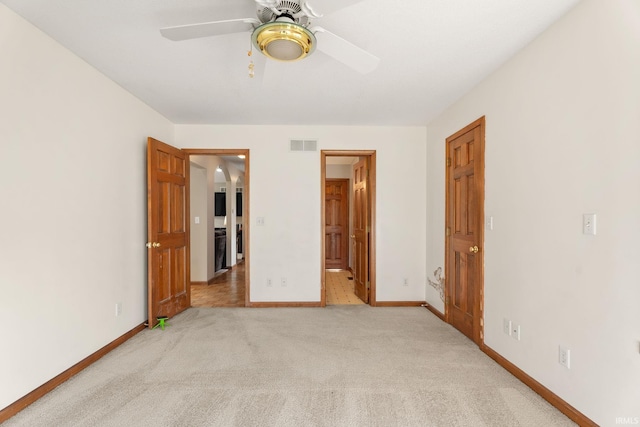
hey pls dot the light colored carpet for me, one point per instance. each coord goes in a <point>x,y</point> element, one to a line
<point>335,366</point>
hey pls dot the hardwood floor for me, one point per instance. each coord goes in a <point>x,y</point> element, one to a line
<point>228,289</point>
<point>224,290</point>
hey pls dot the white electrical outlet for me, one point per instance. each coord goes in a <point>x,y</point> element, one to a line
<point>564,357</point>
<point>118,309</point>
<point>283,282</point>
<point>515,331</point>
<point>269,283</point>
<point>506,326</point>
<point>405,282</point>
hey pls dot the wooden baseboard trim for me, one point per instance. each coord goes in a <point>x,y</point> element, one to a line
<point>399,303</point>
<point>284,304</point>
<point>45,388</point>
<point>434,311</point>
<point>199,283</point>
<point>571,412</point>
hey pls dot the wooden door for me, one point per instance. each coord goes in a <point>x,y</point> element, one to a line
<point>465,237</point>
<point>168,231</point>
<point>336,223</point>
<point>360,231</point>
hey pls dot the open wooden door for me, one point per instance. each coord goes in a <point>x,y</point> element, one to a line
<point>360,231</point>
<point>168,231</point>
<point>465,237</point>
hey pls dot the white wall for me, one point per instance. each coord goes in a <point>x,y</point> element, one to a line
<point>339,171</point>
<point>285,190</point>
<point>73,188</point>
<point>198,208</point>
<point>562,127</point>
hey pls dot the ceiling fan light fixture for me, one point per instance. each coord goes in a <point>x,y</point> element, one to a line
<point>284,41</point>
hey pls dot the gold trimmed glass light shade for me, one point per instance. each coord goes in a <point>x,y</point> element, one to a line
<point>284,41</point>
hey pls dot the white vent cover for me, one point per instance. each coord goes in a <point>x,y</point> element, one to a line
<point>223,189</point>
<point>238,189</point>
<point>304,145</point>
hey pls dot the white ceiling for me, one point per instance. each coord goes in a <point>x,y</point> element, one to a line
<point>431,52</point>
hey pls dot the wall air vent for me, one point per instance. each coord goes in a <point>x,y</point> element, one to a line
<point>304,145</point>
<point>223,189</point>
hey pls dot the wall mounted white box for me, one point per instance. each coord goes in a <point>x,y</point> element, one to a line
<point>589,224</point>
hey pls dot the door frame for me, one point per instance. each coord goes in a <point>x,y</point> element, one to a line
<point>478,330</point>
<point>246,227</point>
<point>371,189</point>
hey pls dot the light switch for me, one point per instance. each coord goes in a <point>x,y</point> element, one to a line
<point>589,224</point>
<point>196,220</point>
<point>260,221</point>
<point>489,223</point>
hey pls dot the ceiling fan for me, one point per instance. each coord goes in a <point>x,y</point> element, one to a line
<point>282,31</point>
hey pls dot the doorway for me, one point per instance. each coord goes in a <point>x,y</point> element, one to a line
<point>464,241</point>
<point>219,233</point>
<point>358,234</point>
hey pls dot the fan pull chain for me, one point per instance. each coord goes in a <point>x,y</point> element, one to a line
<point>251,66</point>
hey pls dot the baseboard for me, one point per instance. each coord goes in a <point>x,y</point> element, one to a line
<point>45,388</point>
<point>283,304</point>
<point>399,303</point>
<point>434,311</point>
<point>571,412</point>
<point>207,282</point>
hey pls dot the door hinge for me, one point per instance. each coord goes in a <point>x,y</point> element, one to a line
<point>368,285</point>
<point>368,229</point>
<point>448,161</point>
<point>448,231</point>
<point>448,300</point>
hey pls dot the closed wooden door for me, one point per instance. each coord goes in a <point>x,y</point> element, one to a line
<point>336,223</point>
<point>360,231</point>
<point>168,231</point>
<point>465,237</point>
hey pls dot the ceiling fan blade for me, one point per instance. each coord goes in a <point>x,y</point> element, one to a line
<point>345,52</point>
<point>208,29</point>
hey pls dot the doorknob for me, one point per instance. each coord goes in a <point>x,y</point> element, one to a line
<point>152,245</point>
<point>353,236</point>
<point>157,245</point>
<point>474,249</point>
<point>148,244</point>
